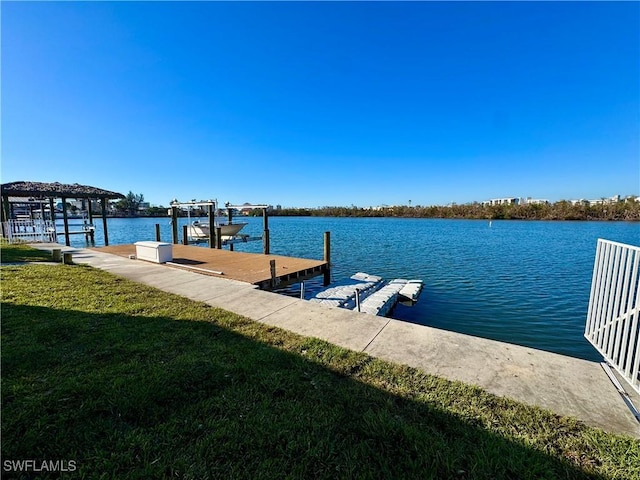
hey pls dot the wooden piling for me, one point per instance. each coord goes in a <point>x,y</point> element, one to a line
<point>90,211</point>
<point>212,222</point>
<point>274,278</point>
<point>158,232</point>
<point>230,220</point>
<point>103,202</point>
<point>266,246</point>
<point>327,258</point>
<point>219,238</point>
<point>52,211</point>
<point>174,225</point>
<point>185,234</point>
<point>65,218</point>
<point>5,209</point>
<point>4,214</point>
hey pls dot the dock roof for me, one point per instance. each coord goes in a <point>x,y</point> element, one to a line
<point>55,190</point>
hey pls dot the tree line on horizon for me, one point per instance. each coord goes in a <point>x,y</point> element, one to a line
<point>561,210</point>
<point>623,210</point>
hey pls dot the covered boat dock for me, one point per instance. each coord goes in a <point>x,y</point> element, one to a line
<point>44,194</point>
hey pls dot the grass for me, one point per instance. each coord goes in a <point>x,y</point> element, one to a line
<point>129,381</point>
<point>22,253</point>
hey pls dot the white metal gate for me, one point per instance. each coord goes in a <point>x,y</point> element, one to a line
<point>614,305</point>
<point>27,230</point>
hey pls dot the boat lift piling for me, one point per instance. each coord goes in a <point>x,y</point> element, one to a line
<point>214,236</point>
<point>327,258</point>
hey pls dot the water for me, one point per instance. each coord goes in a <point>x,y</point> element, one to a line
<point>521,282</point>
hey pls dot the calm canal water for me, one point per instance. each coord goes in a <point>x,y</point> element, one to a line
<point>521,282</point>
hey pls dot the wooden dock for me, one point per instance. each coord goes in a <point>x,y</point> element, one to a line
<point>254,268</point>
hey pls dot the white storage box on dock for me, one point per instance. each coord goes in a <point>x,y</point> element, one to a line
<point>157,252</point>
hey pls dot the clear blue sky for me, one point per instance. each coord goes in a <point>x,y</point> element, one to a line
<point>331,103</point>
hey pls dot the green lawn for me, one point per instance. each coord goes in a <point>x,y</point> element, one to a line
<point>132,382</point>
<point>22,253</point>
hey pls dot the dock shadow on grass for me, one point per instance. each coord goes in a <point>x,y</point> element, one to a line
<point>138,396</point>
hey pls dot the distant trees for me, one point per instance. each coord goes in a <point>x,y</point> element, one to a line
<point>562,210</point>
<point>625,209</point>
<point>130,204</point>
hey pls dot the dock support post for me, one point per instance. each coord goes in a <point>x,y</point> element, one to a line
<point>185,235</point>
<point>158,232</point>
<point>65,218</point>
<point>272,267</point>
<point>212,222</point>
<point>265,236</point>
<point>327,258</point>
<point>5,209</point>
<point>230,220</point>
<point>358,299</point>
<point>92,232</point>
<point>103,202</point>
<point>174,225</point>
<point>52,211</point>
<point>4,214</point>
<point>302,290</point>
<point>89,211</point>
<point>219,238</point>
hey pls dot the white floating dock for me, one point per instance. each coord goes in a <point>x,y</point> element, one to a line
<point>375,296</point>
<point>343,293</point>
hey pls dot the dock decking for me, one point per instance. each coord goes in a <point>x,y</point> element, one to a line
<point>253,268</point>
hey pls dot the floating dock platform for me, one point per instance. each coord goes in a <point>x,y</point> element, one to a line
<point>369,294</point>
<point>254,268</point>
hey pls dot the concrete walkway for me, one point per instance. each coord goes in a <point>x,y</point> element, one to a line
<point>565,385</point>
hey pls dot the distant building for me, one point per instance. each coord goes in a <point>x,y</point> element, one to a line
<point>599,201</point>
<point>536,201</point>
<point>503,201</point>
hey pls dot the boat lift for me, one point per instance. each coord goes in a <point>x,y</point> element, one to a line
<point>216,237</point>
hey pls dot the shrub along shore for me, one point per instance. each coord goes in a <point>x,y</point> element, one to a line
<point>563,210</point>
<point>128,381</point>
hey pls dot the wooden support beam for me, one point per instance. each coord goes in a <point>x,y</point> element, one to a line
<point>158,232</point>
<point>52,210</point>
<point>103,204</point>
<point>90,211</point>
<point>185,234</point>
<point>65,218</point>
<point>5,208</point>
<point>4,212</point>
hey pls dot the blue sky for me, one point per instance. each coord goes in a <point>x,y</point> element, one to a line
<point>330,103</point>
